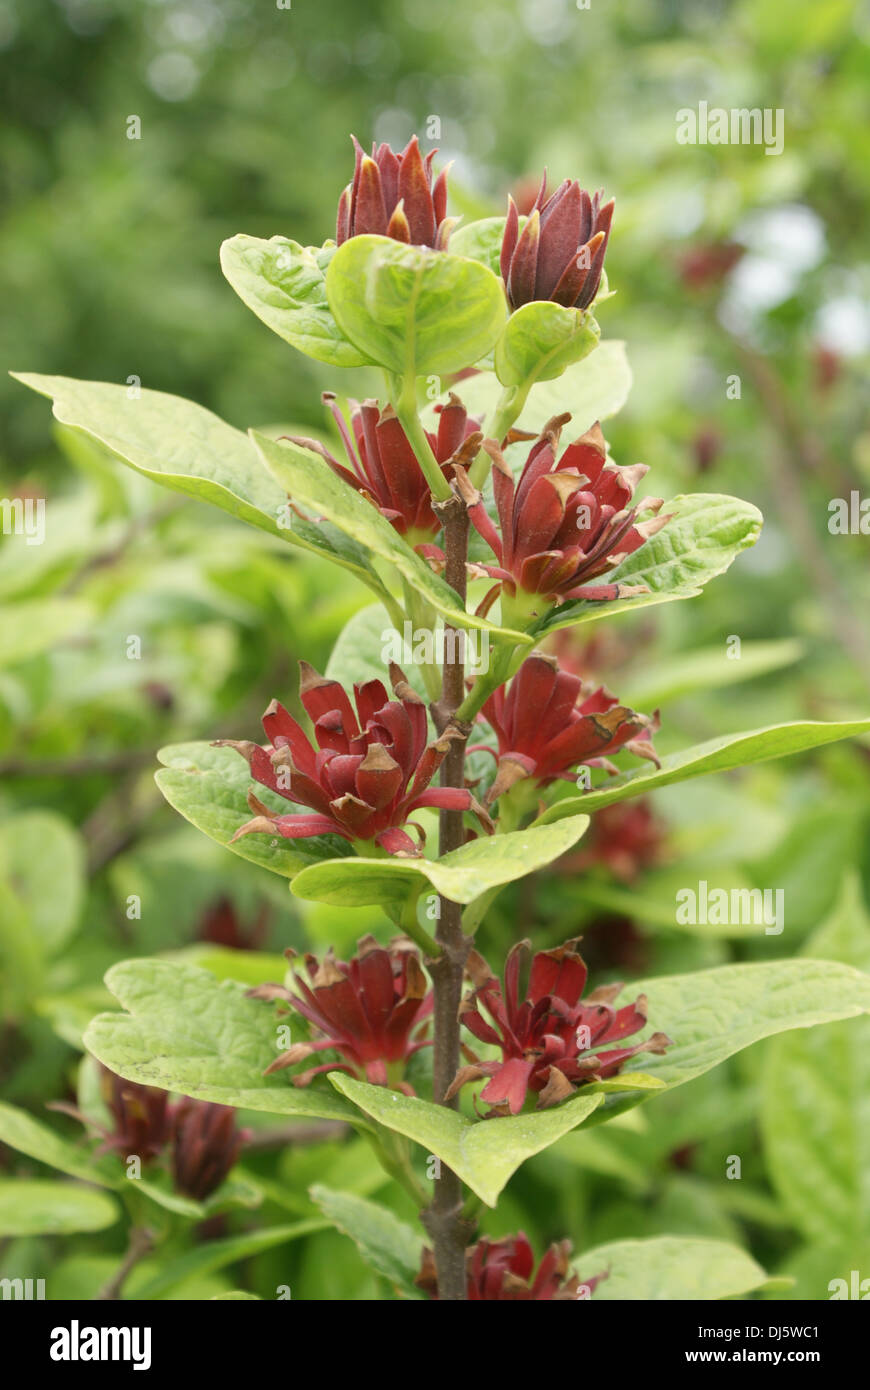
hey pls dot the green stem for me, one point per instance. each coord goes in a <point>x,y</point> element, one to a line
<point>422,615</point>
<point>406,409</point>
<point>507,411</point>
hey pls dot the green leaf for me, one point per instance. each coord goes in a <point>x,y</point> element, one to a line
<point>717,755</point>
<point>213,1255</point>
<point>310,482</point>
<point>30,627</point>
<point>188,449</point>
<point>40,1206</point>
<point>483,1153</point>
<point>390,1246</point>
<point>540,340</point>
<point>358,653</point>
<point>707,668</point>
<point>670,1268</point>
<point>236,1296</point>
<point>704,536</point>
<point>28,844</point>
<point>593,389</point>
<point>481,241</point>
<point>22,1132</point>
<point>285,285</point>
<point>185,1031</point>
<point>414,311</point>
<point>815,1100</point>
<point>462,875</point>
<point>209,787</point>
<point>712,1014</point>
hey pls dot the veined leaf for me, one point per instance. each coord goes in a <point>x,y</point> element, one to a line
<point>483,1153</point>
<point>705,533</point>
<point>209,787</point>
<point>185,1031</point>
<point>390,1246</point>
<point>462,875</point>
<point>309,481</point>
<point>717,755</point>
<point>412,310</point>
<point>188,449</point>
<point>285,285</point>
<point>670,1268</point>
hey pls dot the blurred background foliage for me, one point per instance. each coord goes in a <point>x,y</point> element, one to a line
<point>727,263</point>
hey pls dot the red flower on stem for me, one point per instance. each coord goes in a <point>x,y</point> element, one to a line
<point>393,195</point>
<point>504,1270</point>
<point>547,723</point>
<point>372,770</point>
<point>205,1146</point>
<point>141,1115</point>
<point>551,1039</point>
<point>384,467</point>
<point>565,522</point>
<point>372,1010</point>
<point>559,255</point>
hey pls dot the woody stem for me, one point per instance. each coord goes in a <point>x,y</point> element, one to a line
<point>443,1219</point>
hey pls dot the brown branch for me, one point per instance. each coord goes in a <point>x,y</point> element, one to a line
<point>140,1244</point>
<point>443,1219</point>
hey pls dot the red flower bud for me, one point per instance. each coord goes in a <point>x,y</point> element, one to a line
<point>205,1146</point>
<point>384,467</point>
<point>559,255</point>
<point>393,195</point>
<point>369,1009</point>
<point>372,772</point>
<point>550,1040</point>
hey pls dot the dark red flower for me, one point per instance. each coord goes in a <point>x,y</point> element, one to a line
<point>384,467</point>
<point>141,1116</point>
<point>624,837</point>
<point>550,1040</point>
<point>504,1270</point>
<point>372,771</point>
<point>205,1146</point>
<point>366,1009</point>
<point>559,254</point>
<point>393,195</point>
<point>564,522</point>
<point>708,263</point>
<point>547,724</point>
<point>222,924</point>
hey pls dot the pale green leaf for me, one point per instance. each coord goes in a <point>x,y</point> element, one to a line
<point>414,311</point>
<point>540,340</point>
<point>717,755</point>
<point>185,1031</point>
<point>670,1268</point>
<point>209,787</point>
<point>40,1206</point>
<point>705,534</point>
<point>310,482</point>
<point>285,285</point>
<point>483,1153</point>
<point>390,1246</point>
<point>462,875</point>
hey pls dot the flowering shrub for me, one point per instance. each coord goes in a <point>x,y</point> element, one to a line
<point>430,504</point>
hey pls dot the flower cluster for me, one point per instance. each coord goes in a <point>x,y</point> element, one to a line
<point>372,1010</point>
<point>372,770</point>
<point>565,522</point>
<point>504,1271</point>
<point>200,1138</point>
<point>546,724</point>
<point>559,255</point>
<point>384,467</point>
<point>393,195</point>
<point>551,1039</point>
